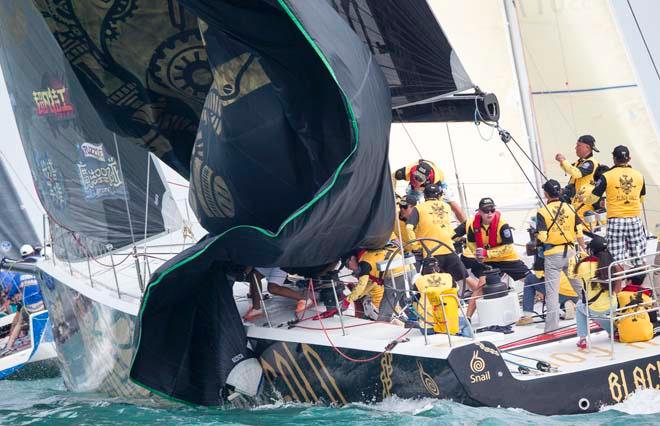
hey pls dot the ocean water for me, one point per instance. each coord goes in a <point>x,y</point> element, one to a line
<point>47,402</point>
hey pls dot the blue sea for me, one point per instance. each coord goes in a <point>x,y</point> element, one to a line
<point>47,402</point>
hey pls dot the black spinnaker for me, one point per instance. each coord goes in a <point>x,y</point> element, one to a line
<point>277,110</point>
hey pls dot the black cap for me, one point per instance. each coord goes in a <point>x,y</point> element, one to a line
<point>552,187</point>
<point>621,153</point>
<point>597,244</point>
<point>432,190</point>
<point>486,202</point>
<point>408,200</point>
<point>589,140</point>
<point>423,171</point>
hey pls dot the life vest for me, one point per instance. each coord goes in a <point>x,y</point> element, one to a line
<point>580,182</point>
<point>493,231</point>
<point>487,238</point>
<point>623,192</point>
<point>435,222</point>
<point>560,222</point>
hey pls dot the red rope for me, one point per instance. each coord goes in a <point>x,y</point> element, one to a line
<point>336,349</point>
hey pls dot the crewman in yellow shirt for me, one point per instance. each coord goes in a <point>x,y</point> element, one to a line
<point>425,172</point>
<point>490,241</point>
<point>581,172</point>
<point>379,284</point>
<point>432,219</point>
<point>624,189</point>
<point>558,229</point>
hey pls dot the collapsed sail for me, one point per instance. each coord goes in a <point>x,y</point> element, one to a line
<point>279,114</point>
<point>101,191</point>
<point>289,169</point>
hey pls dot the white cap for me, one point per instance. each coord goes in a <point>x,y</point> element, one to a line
<point>26,249</point>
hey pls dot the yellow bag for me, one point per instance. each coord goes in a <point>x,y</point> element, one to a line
<point>635,328</point>
<point>638,327</point>
<point>450,305</point>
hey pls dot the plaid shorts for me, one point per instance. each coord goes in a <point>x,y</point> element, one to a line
<point>626,238</point>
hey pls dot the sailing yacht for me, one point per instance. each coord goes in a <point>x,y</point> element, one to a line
<point>140,307</point>
<point>32,354</point>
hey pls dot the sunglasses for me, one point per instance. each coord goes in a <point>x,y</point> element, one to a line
<point>488,210</point>
<point>419,177</point>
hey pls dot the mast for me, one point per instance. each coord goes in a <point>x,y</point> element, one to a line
<point>523,87</point>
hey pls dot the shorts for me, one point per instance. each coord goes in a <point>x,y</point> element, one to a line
<point>516,269</point>
<point>451,264</point>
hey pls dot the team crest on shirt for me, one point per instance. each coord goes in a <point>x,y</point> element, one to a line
<point>434,281</point>
<point>560,216</point>
<point>438,212</point>
<point>626,185</point>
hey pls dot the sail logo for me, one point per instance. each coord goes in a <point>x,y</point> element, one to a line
<point>93,151</point>
<point>478,365</point>
<point>52,101</point>
<point>50,183</point>
<point>99,173</point>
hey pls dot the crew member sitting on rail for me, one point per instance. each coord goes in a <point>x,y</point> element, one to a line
<point>558,229</point>
<point>490,241</point>
<point>423,172</point>
<point>275,277</point>
<point>431,220</point>
<point>596,296</point>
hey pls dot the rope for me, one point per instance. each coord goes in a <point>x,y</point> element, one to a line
<point>335,348</point>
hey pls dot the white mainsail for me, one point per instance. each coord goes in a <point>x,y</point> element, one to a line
<point>582,82</point>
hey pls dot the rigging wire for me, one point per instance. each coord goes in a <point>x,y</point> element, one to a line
<point>641,34</point>
<point>407,133</point>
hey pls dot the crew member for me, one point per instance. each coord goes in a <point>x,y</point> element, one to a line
<point>31,295</point>
<point>406,205</point>
<point>558,228</point>
<point>582,201</point>
<point>490,240</point>
<point>581,172</point>
<point>423,172</point>
<point>596,296</point>
<point>431,219</point>
<point>364,264</point>
<point>535,284</point>
<point>624,189</point>
<point>275,277</point>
